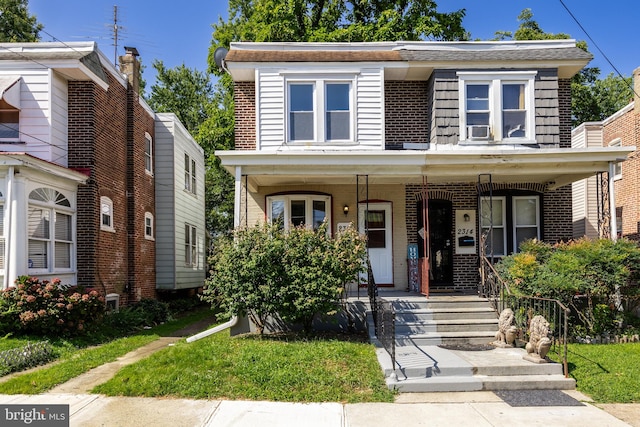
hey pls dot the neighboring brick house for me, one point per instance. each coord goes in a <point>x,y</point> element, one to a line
<point>594,200</point>
<point>77,144</point>
<point>365,133</point>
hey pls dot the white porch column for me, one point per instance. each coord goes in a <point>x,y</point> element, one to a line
<point>237,197</point>
<point>612,204</point>
<point>10,249</point>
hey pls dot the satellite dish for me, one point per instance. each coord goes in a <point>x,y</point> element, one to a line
<point>218,56</point>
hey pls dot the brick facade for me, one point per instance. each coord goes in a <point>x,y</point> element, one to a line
<point>244,96</point>
<point>107,138</point>
<point>406,113</point>
<point>626,127</point>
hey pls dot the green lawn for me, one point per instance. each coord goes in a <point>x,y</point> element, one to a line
<point>75,359</point>
<point>608,373</point>
<point>221,367</point>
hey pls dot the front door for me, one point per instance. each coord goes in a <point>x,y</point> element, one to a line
<point>440,242</point>
<point>377,225</point>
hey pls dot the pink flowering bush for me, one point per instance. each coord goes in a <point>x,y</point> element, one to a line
<point>45,307</point>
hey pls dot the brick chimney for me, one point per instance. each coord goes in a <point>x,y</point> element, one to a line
<point>130,66</point>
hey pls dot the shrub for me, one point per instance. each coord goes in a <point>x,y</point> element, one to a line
<point>263,271</point>
<point>43,307</point>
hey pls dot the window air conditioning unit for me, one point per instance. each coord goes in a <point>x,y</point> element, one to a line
<point>478,132</point>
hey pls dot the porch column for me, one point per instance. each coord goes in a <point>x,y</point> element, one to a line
<point>10,249</point>
<point>237,197</point>
<point>613,222</point>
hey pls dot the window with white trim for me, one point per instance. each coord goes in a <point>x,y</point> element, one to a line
<point>51,242</point>
<point>298,209</point>
<point>190,245</point>
<point>617,168</point>
<point>320,111</point>
<point>148,225</point>
<point>148,153</point>
<point>497,107</point>
<point>515,219</point>
<point>106,214</point>
<point>9,122</point>
<point>189,174</point>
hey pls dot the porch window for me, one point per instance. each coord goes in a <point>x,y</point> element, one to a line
<point>515,219</point>
<point>320,111</point>
<point>50,231</point>
<point>497,107</point>
<point>298,210</point>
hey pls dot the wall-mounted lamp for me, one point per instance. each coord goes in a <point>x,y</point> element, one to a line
<point>467,218</point>
<point>345,209</point>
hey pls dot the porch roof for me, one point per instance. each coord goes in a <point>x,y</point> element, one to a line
<point>554,167</point>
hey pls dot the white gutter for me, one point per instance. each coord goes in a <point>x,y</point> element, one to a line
<point>9,225</point>
<point>214,330</point>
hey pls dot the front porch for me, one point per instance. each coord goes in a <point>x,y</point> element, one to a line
<point>442,344</point>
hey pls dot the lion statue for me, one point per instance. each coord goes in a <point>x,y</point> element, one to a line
<point>507,331</point>
<point>539,342</point>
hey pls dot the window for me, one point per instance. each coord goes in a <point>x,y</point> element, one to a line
<point>515,219</point>
<point>497,107</point>
<point>106,214</point>
<point>148,226</point>
<point>189,174</point>
<point>9,121</point>
<point>190,245</point>
<point>148,153</point>
<point>617,168</point>
<point>320,111</point>
<point>50,231</point>
<point>298,209</point>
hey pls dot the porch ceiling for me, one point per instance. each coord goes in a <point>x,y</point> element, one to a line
<point>553,167</point>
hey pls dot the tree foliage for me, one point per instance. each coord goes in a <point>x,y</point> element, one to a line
<point>16,24</point>
<point>264,271</point>
<point>592,99</point>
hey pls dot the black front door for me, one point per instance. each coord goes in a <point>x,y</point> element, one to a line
<point>441,242</point>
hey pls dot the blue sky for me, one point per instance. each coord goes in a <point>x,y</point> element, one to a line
<point>180,32</point>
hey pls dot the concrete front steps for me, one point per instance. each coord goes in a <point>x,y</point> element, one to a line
<point>431,335</point>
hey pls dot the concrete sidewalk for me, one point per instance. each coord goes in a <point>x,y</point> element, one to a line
<point>412,409</point>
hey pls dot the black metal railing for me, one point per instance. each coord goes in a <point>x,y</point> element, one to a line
<point>384,317</point>
<point>497,291</point>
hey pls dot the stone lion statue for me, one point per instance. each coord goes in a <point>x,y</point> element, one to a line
<point>539,342</point>
<point>507,331</point>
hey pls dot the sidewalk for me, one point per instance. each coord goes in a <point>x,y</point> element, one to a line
<point>412,409</point>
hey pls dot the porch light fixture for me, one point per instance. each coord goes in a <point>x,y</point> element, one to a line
<point>467,218</point>
<point>345,209</point>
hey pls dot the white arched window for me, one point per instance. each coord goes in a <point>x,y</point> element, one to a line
<point>50,231</point>
<point>148,225</point>
<point>106,214</point>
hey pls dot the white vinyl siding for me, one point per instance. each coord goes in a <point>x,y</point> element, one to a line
<point>367,107</point>
<point>176,207</point>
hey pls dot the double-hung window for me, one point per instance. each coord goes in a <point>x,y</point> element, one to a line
<point>148,153</point>
<point>190,245</point>
<point>106,214</point>
<point>497,107</point>
<point>617,168</point>
<point>320,111</point>
<point>50,230</point>
<point>189,174</point>
<point>298,209</point>
<point>507,221</point>
<point>148,225</point>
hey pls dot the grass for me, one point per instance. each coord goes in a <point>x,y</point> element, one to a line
<point>608,373</point>
<point>254,368</point>
<point>73,361</point>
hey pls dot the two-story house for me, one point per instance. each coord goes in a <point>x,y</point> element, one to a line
<point>424,145</point>
<point>594,199</point>
<point>77,170</point>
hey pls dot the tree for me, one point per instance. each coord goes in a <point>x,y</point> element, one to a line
<point>16,25</point>
<point>592,99</point>
<point>307,21</point>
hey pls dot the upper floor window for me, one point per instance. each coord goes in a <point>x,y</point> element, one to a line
<point>617,168</point>
<point>298,209</point>
<point>148,153</point>
<point>319,111</point>
<point>189,174</point>
<point>190,245</point>
<point>9,121</point>
<point>148,225</point>
<point>497,107</point>
<point>50,231</point>
<point>106,214</point>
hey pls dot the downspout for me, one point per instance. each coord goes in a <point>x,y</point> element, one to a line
<point>214,330</point>
<point>8,258</point>
<point>237,197</point>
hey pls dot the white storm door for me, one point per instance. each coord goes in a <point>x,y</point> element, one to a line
<point>378,228</point>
